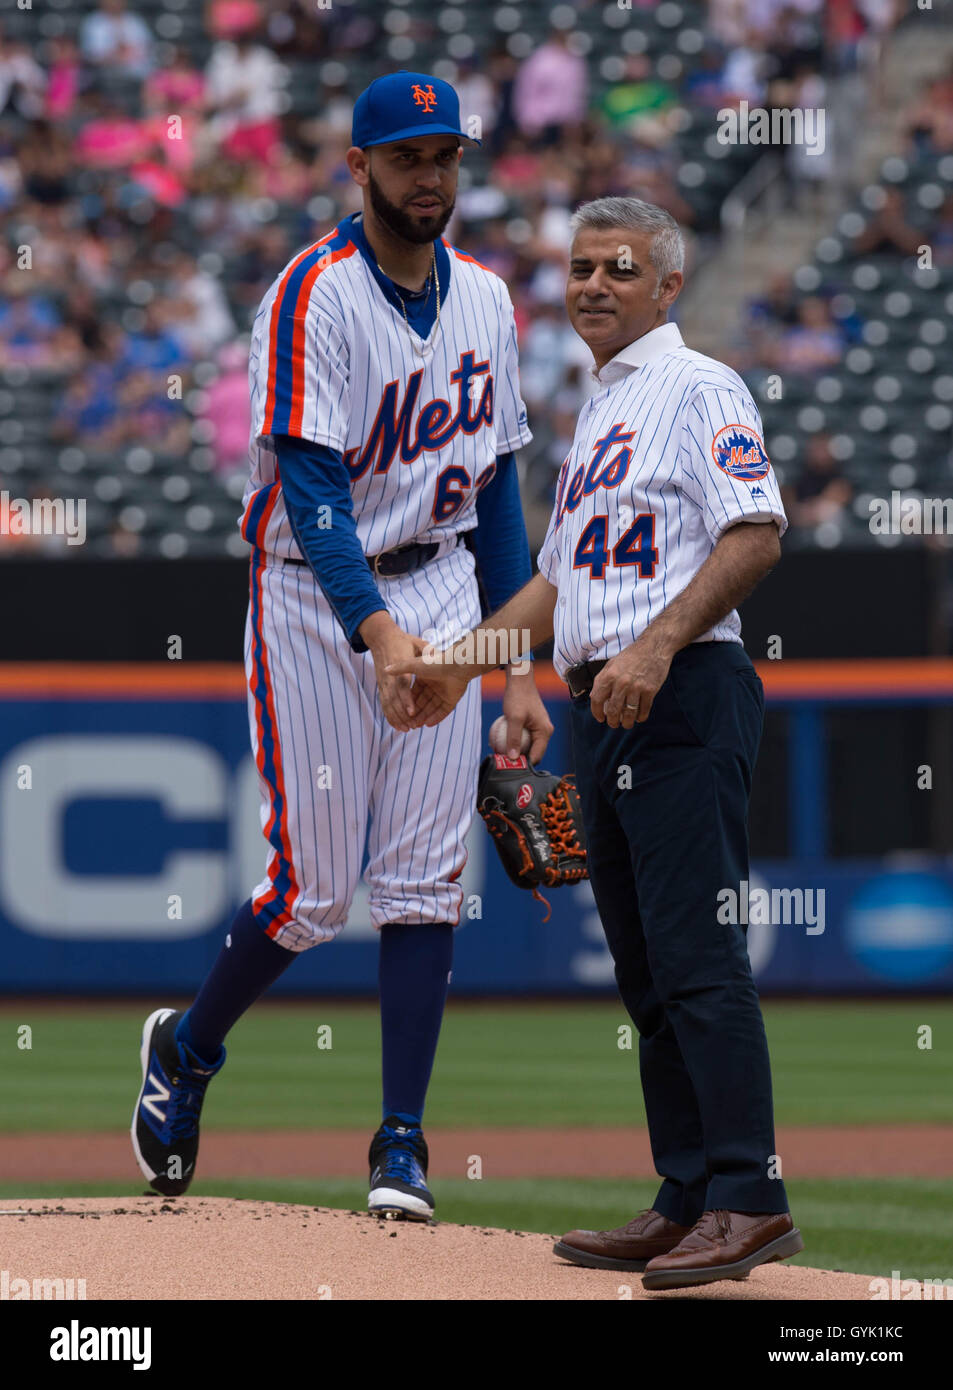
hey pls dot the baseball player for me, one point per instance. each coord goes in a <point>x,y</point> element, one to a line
<point>667,514</point>
<point>385,414</point>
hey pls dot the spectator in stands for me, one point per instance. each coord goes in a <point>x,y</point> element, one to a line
<point>777,307</point>
<point>86,413</point>
<point>244,94</point>
<point>202,320</point>
<point>32,332</point>
<point>640,103</point>
<point>598,165</point>
<point>154,346</point>
<point>551,90</point>
<point>928,123</point>
<point>112,38</point>
<point>294,27</point>
<point>704,86</point>
<point>502,69</point>
<point>821,493</point>
<point>258,259</point>
<point>64,79</point>
<point>46,162</point>
<point>649,172</point>
<point>11,191</point>
<point>888,231</point>
<point>489,242</point>
<point>177,89</point>
<point>226,18</point>
<point>109,138</point>
<point>809,168</point>
<point>793,43</point>
<point>815,342</point>
<point>145,411</point>
<point>880,17</point>
<point>516,170</point>
<point>746,73</point>
<point>226,409</point>
<point>177,84</point>
<point>478,97</point>
<point>22,80</point>
<point>548,349</point>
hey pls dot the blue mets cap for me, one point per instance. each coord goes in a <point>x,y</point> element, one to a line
<point>403,105</point>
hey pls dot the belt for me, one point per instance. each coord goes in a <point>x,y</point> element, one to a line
<point>581,678</point>
<point>391,563</point>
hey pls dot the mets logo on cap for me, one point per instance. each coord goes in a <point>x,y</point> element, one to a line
<point>406,106</point>
<point>739,452</point>
<point>424,97</point>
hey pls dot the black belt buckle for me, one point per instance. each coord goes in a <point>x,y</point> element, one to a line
<point>405,558</point>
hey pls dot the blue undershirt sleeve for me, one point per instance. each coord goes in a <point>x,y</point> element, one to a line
<point>500,543</point>
<point>313,477</point>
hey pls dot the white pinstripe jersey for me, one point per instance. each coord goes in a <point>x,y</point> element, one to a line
<point>332,362</point>
<point>667,454</point>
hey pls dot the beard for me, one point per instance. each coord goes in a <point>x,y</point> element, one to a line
<point>417,231</point>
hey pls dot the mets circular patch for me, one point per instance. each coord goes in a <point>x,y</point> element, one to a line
<point>739,452</point>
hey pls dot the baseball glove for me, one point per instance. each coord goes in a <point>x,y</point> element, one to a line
<point>536,820</point>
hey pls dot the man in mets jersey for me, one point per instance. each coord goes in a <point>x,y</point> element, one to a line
<point>386,412</point>
<point>667,515</point>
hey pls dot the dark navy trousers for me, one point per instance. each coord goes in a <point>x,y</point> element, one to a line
<point>663,839</point>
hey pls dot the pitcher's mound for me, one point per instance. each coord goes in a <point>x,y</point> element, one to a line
<point>209,1247</point>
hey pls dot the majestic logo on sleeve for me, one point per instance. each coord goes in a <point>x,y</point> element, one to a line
<point>739,452</point>
<point>424,97</point>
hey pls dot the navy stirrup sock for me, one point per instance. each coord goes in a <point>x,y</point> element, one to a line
<point>415,961</point>
<point>244,969</point>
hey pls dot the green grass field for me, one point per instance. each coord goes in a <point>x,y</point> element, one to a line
<point>539,1065</point>
<point>549,1064</point>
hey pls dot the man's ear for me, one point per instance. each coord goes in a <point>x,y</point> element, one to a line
<point>670,289</point>
<point>359,164</point>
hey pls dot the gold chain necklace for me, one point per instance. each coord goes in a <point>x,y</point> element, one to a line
<point>418,342</point>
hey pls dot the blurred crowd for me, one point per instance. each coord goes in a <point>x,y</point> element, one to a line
<point>151,189</point>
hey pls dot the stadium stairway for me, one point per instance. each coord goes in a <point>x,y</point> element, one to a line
<point>777,237</point>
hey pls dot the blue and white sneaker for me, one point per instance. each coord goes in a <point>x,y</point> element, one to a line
<point>165,1122</point>
<point>398,1158</point>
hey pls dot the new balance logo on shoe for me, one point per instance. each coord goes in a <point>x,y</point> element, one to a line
<point>161,1093</point>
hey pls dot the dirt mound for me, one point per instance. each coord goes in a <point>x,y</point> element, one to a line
<point>205,1247</point>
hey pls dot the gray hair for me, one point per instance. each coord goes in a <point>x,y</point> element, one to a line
<point>667,248</point>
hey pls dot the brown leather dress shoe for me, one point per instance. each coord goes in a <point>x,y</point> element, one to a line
<point>724,1245</point>
<point>627,1247</point>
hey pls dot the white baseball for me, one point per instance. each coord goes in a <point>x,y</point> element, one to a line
<point>498,741</point>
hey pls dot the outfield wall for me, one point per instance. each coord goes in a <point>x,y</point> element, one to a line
<point>123,787</point>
